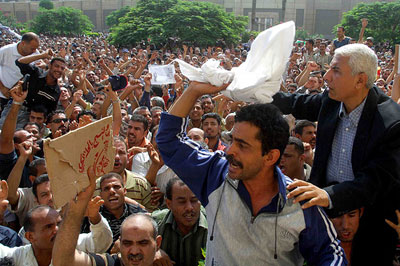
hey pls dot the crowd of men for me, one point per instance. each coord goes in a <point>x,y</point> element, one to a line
<point>313,177</point>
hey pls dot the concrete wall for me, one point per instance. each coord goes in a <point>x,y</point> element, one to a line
<point>315,16</point>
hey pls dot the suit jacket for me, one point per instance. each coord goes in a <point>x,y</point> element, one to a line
<point>375,162</point>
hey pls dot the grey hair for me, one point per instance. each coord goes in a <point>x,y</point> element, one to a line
<point>361,60</point>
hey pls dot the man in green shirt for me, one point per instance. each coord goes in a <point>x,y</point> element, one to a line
<point>183,226</point>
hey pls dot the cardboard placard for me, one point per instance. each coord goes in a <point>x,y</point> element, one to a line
<point>68,157</point>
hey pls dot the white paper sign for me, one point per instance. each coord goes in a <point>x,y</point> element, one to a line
<point>162,74</point>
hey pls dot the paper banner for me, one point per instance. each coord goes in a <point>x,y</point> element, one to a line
<point>68,157</point>
<point>162,74</point>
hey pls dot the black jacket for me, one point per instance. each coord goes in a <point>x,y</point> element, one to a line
<point>375,162</point>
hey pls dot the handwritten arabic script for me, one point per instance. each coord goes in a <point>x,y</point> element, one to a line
<point>99,147</point>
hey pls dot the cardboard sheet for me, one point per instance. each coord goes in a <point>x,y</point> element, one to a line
<point>68,158</point>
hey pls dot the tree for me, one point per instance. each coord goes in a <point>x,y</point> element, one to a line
<point>113,18</point>
<point>46,4</point>
<point>61,21</point>
<point>8,20</point>
<point>199,23</point>
<point>383,21</point>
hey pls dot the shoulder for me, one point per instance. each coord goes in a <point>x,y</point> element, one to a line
<point>135,208</point>
<point>160,215</point>
<point>134,180</point>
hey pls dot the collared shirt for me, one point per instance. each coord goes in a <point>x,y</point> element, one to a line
<point>339,163</point>
<point>322,59</point>
<point>219,146</point>
<point>184,250</point>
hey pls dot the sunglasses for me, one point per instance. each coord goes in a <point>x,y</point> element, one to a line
<point>59,120</point>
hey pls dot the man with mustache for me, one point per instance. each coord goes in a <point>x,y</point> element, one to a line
<point>306,131</point>
<point>252,222</point>
<point>183,227</point>
<point>139,237</point>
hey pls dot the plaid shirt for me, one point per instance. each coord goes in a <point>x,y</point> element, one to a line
<point>339,163</point>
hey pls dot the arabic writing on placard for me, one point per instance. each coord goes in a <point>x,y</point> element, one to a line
<point>92,146</point>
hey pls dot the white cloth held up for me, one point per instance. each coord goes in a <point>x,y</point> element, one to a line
<point>258,78</point>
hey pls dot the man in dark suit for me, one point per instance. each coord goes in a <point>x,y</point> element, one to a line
<point>357,157</point>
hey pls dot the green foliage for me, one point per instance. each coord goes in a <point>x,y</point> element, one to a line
<point>46,4</point>
<point>203,262</point>
<point>302,34</point>
<point>61,21</point>
<point>8,20</point>
<point>200,23</point>
<point>383,21</point>
<point>113,18</point>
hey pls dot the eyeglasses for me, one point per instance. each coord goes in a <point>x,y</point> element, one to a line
<point>59,120</point>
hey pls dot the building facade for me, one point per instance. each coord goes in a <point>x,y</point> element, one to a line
<point>315,16</point>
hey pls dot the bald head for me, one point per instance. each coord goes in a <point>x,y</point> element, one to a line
<point>139,221</point>
<point>196,134</point>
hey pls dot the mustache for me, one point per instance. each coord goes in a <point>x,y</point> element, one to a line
<point>233,161</point>
<point>135,257</point>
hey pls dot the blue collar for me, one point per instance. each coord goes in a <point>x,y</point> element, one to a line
<point>272,206</point>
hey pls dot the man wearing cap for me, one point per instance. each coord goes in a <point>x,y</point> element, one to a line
<point>370,43</point>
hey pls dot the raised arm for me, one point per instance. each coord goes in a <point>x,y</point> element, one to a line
<point>117,116</point>
<point>64,252</point>
<point>14,178</point>
<point>10,123</point>
<point>364,23</point>
<point>31,58</point>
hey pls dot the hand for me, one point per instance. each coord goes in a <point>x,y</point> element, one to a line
<point>153,154</point>
<point>84,120</point>
<point>101,62</point>
<point>62,53</point>
<point>184,48</point>
<point>92,210</point>
<point>116,247</point>
<point>147,79</point>
<point>73,125</point>
<point>17,94</point>
<point>153,55</point>
<point>110,93</point>
<point>25,148</point>
<point>309,154</point>
<point>77,95</point>
<point>162,259</point>
<point>85,55</point>
<point>364,22</point>
<point>312,66</point>
<point>205,88</point>
<point>86,194</point>
<point>156,196</point>
<point>48,54</point>
<point>307,191</point>
<point>395,226</point>
<point>143,63</point>
<point>191,50</point>
<point>57,134</point>
<point>3,197</point>
<point>178,80</point>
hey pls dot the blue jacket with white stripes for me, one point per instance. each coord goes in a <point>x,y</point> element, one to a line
<point>282,233</point>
